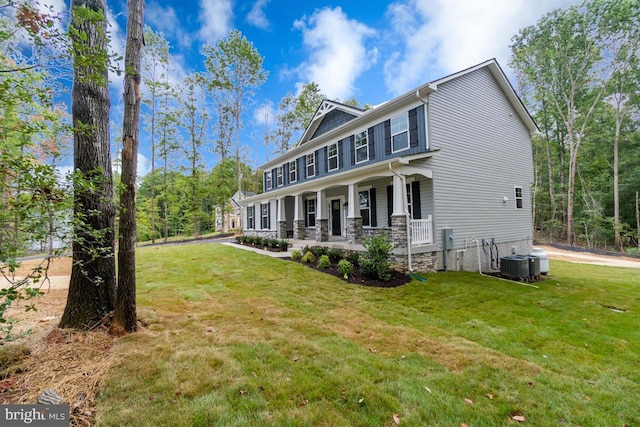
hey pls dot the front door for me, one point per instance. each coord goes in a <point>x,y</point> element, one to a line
<point>336,211</point>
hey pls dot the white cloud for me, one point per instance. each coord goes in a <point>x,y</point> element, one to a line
<point>215,18</point>
<point>166,20</point>
<point>116,47</point>
<point>337,51</point>
<point>264,114</point>
<point>257,16</point>
<point>437,37</point>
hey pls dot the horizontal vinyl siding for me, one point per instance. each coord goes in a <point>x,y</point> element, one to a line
<point>485,152</point>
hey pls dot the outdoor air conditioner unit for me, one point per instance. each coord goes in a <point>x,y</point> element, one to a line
<point>515,267</point>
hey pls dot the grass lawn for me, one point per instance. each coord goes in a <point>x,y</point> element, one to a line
<point>234,338</point>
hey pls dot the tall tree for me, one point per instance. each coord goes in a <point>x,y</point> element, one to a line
<point>558,57</point>
<point>155,63</point>
<point>125,317</point>
<point>295,113</point>
<point>93,277</point>
<point>234,72</point>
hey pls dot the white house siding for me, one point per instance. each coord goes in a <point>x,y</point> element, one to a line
<point>485,152</point>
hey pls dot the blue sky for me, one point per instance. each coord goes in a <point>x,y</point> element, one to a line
<point>372,50</point>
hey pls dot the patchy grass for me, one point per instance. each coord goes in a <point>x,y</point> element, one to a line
<point>234,338</point>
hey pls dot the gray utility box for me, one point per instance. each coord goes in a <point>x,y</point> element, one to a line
<point>447,239</point>
<point>534,266</point>
<point>515,267</point>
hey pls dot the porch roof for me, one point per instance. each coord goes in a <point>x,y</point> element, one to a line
<point>400,165</point>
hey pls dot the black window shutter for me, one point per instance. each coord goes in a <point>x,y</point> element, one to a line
<point>303,164</point>
<point>415,199</point>
<point>389,204</point>
<point>306,213</point>
<point>340,155</point>
<point>326,159</point>
<point>372,147</point>
<point>372,195</point>
<point>387,137</point>
<point>413,128</point>
<point>268,215</point>
<point>352,145</point>
<point>274,178</point>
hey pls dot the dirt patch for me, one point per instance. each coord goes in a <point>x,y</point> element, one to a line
<point>57,266</point>
<point>585,257</point>
<point>358,278</point>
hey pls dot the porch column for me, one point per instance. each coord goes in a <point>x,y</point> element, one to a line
<point>322,220</point>
<point>281,231</point>
<point>399,218</point>
<point>354,220</point>
<point>398,196</point>
<point>298,218</point>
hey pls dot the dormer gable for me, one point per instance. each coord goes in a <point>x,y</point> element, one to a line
<point>330,115</point>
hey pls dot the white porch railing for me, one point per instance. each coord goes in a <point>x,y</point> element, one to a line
<point>422,231</point>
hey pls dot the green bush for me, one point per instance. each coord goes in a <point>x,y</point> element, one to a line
<point>283,244</point>
<point>240,239</point>
<point>353,257</point>
<point>318,251</point>
<point>324,261</point>
<point>308,258</point>
<point>345,268</point>
<point>335,255</point>
<point>374,261</point>
<point>296,255</point>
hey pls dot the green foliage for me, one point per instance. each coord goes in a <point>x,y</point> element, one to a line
<point>296,255</point>
<point>324,262</point>
<point>335,255</point>
<point>345,268</point>
<point>374,261</point>
<point>353,257</point>
<point>308,258</point>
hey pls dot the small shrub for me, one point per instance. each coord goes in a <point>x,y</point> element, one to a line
<point>308,258</point>
<point>324,261</point>
<point>345,268</point>
<point>335,254</point>
<point>271,243</point>
<point>374,261</point>
<point>318,251</point>
<point>296,255</point>
<point>240,239</point>
<point>283,245</point>
<point>353,257</point>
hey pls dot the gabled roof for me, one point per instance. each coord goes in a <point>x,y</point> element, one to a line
<point>326,107</point>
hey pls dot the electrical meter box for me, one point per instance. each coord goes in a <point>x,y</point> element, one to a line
<point>447,239</point>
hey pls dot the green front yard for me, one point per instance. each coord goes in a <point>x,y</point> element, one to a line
<point>234,338</point>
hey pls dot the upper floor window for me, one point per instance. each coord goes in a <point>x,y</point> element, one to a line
<point>267,180</point>
<point>311,165</point>
<point>518,194</point>
<point>365,207</point>
<point>293,173</point>
<point>332,156</point>
<point>399,133</point>
<point>279,177</point>
<point>362,147</point>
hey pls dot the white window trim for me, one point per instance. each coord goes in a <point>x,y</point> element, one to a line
<point>365,146</point>
<point>294,171</point>
<point>336,156</point>
<point>251,217</point>
<point>307,164</point>
<point>264,215</point>
<point>516,198</point>
<point>406,116</point>
<point>362,190</point>
<point>268,180</point>
<point>315,211</point>
<point>280,176</point>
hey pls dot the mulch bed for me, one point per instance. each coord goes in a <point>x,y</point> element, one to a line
<point>358,278</point>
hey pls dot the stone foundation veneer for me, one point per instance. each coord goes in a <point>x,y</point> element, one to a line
<point>299,230</point>
<point>282,229</point>
<point>354,230</point>
<point>322,230</point>
<point>399,231</point>
<point>270,234</point>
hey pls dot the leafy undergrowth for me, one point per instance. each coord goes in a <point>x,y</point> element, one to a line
<point>234,338</point>
<point>358,278</point>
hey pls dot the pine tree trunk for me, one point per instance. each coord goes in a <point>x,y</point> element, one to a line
<point>125,317</point>
<point>93,276</point>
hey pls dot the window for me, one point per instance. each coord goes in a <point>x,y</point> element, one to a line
<point>399,133</point>
<point>362,147</point>
<point>265,216</point>
<point>311,212</point>
<point>365,208</point>
<point>293,175</point>
<point>267,180</point>
<point>311,165</point>
<point>279,177</point>
<point>332,156</point>
<point>251,224</point>
<point>518,191</point>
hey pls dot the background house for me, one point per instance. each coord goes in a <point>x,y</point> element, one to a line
<point>445,169</point>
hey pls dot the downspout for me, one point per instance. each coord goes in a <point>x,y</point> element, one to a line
<point>407,216</point>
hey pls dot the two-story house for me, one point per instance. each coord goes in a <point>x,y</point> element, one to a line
<point>445,169</point>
